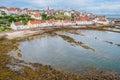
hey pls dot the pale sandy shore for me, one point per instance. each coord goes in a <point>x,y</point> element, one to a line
<point>30,32</point>
<point>24,33</point>
<point>17,34</point>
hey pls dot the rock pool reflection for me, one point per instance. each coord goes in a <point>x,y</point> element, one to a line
<point>71,51</point>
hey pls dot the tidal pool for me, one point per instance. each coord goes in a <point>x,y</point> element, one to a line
<point>74,50</point>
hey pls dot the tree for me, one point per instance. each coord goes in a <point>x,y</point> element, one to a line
<point>72,17</point>
<point>44,16</point>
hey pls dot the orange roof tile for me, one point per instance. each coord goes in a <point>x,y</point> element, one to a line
<point>49,21</point>
<point>83,18</point>
<point>37,15</point>
<point>29,11</point>
<point>13,9</point>
<point>35,22</point>
<point>18,23</point>
<point>101,18</point>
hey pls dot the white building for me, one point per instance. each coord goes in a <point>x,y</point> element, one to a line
<point>28,12</point>
<point>36,16</point>
<point>34,24</point>
<point>43,24</point>
<point>84,22</point>
<point>17,26</point>
<point>58,22</point>
<point>11,11</point>
<point>3,8</point>
<point>67,23</point>
<point>67,14</point>
<point>101,20</point>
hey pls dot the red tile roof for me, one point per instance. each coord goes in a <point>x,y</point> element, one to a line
<point>18,23</point>
<point>49,21</point>
<point>66,21</point>
<point>37,15</point>
<point>35,22</point>
<point>101,18</point>
<point>13,9</point>
<point>29,11</point>
<point>83,18</point>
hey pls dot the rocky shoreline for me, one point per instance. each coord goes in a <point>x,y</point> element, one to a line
<point>14,69</point>
<point>34,31</point>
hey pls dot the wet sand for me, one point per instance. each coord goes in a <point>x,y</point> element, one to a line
<point>30,32</point>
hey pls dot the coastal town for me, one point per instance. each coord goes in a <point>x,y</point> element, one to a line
<point>59,40</point>
<point>48,18</point>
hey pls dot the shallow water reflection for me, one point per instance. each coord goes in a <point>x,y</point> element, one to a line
<point>71,51</point>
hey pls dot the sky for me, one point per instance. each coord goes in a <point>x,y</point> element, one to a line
<point>91,6</point>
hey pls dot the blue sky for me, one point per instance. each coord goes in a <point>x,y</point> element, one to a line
<point>92,6</point>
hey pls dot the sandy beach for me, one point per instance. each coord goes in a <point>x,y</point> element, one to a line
<point>33,31</point>
<point>20,33</point>
<point>16,34</point>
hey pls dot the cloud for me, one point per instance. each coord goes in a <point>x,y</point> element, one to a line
<point>87,5</point>
<point>109,6</point>
<point>106,7</point>
<point>41,3</point>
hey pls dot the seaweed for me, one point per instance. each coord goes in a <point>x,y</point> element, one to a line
<point>74,43</point>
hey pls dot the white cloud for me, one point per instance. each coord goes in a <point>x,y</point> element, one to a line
<point>87,5</point>
<point>108,7</point>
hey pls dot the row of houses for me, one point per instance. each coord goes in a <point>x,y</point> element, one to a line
<point>51,23</point>
<point>81,18</point>
<point>37,14</point>
<point>18,11</point>
<point>15,11</point>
